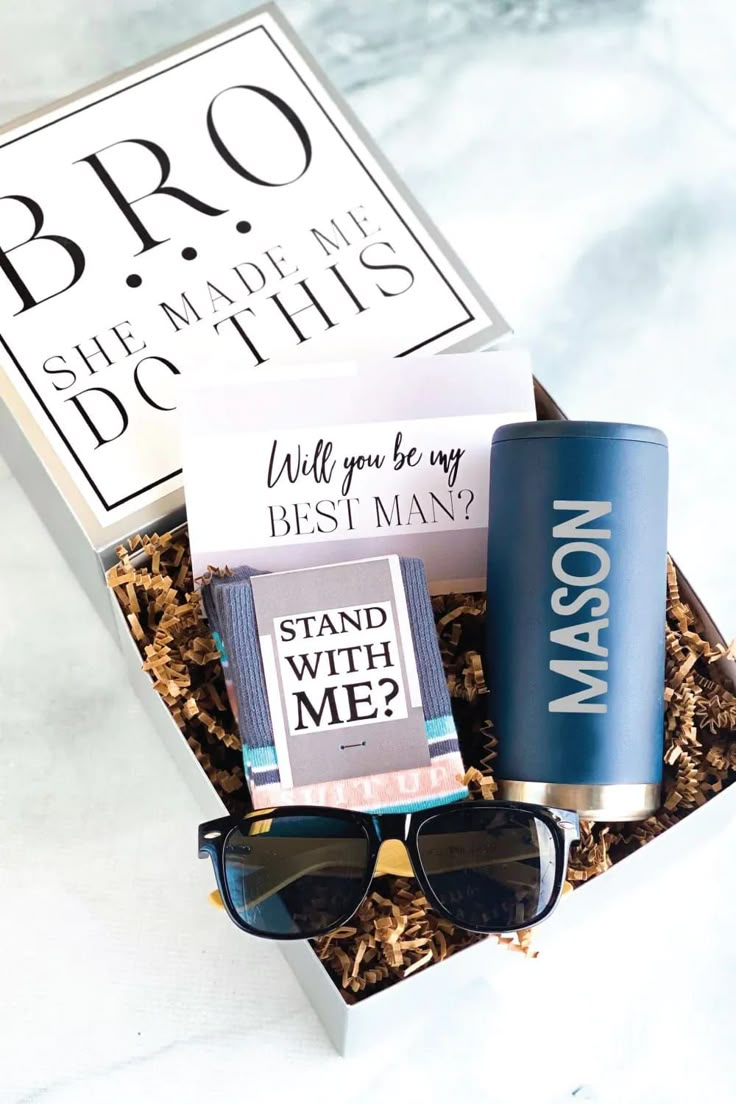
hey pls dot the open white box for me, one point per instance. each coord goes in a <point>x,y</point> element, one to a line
<point>88,542</point>
<point>353,1027</point>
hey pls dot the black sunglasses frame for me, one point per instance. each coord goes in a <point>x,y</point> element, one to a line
<point>378,828</point>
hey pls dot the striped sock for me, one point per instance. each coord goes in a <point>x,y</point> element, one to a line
<point>229,605</point>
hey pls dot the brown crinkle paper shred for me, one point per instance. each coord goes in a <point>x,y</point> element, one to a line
<point>393,936</point>
<point>153,584</point>
<point>395,932</point>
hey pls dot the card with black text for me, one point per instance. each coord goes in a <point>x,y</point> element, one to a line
<point>327,463</point>
<point>340,671</point>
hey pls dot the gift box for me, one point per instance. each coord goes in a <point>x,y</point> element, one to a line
<point>92,507</point>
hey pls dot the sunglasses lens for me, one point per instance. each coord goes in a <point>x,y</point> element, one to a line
<point>297,875</point>
<point>492,870</point>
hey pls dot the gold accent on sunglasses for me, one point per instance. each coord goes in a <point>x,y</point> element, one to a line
<point>393,858</point>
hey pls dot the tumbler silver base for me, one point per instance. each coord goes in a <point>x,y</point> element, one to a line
<point>615,802</point>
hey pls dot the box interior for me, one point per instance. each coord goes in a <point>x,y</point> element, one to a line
<point>220,785</point>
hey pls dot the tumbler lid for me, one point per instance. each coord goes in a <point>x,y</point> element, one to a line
<point>616,431</point>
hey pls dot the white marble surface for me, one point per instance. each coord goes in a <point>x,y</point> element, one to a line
<point>579,156</point>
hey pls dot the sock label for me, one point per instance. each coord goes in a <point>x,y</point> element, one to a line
<point>341,671</point>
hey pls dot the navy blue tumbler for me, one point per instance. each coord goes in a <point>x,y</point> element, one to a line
<point>577,538</point>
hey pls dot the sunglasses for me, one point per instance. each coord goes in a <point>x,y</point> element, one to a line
<point>298,872</point>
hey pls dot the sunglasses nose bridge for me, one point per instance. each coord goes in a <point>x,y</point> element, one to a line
<point>393,858</point>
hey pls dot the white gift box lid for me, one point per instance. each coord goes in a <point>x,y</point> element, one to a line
<point>219,202</point>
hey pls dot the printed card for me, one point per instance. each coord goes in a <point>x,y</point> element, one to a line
<point>340,671</point>
<point>370,459</point>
